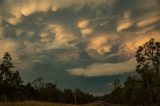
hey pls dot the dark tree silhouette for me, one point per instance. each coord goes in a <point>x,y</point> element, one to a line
<point>10,80</point>
<point>38,83</point>
<point>7,74</point>
<point>12,88</point>
<point>148,59</point>
<point>117,83</point>
<point>144,88</point>
<point>5,68</point>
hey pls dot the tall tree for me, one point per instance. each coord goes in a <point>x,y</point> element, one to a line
<point>7,74</point>
<point>5,67</point>
<point>148,59</point>
<point>117,83</point>
<point>10,80</point>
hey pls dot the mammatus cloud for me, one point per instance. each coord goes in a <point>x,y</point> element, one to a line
<point>90,38</point>
<point>105,69</point>
<point>53,36</point>
<point>85,28</point>
<point>14,10</point>
<point>94,32</point>
<point>87,31</point>
<point>131,43</point>
<point>127,48</point>
<point>83,24</point>
<point>56,36</point>
<point>55,44</point>
<point>100,43</point>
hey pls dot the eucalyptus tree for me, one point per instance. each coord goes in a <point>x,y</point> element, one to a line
<point>148,65</point>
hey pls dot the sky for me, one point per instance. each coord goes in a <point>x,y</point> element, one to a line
<point>84,44</point>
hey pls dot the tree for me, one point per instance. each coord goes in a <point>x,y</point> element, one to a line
<point>117,83</point>
<point>68,96</point>
<point>7,74</point>
<point>38,83</point>
<point>148,60</point>
<point>12,89</point>
<point>144,88</point>
<point>134,94</point>
<point>10,80</point>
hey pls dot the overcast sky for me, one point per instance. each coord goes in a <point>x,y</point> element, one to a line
<point>83,44</point>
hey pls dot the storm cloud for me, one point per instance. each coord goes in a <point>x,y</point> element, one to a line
<point>76,39</point>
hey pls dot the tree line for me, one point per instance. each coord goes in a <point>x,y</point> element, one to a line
<point>144,87</point>
<point>140,89</point>
<point>12,88</point>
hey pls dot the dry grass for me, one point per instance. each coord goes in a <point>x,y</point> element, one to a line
<point>34,103</point>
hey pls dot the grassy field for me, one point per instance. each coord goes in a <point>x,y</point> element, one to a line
<point>46,104</point>
<point>38,104</point>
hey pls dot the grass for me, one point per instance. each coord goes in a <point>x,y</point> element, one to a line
<point>34,103</point>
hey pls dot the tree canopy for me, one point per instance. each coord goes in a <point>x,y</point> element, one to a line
<point>145,87</point>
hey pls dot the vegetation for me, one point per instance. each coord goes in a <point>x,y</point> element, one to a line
<point>12,88</point>
<point>33,103</point>
<point>145,87</point>
<point>142,89</point>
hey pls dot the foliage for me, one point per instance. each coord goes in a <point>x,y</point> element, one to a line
<point>12,88</point>
<point>145,88</point>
